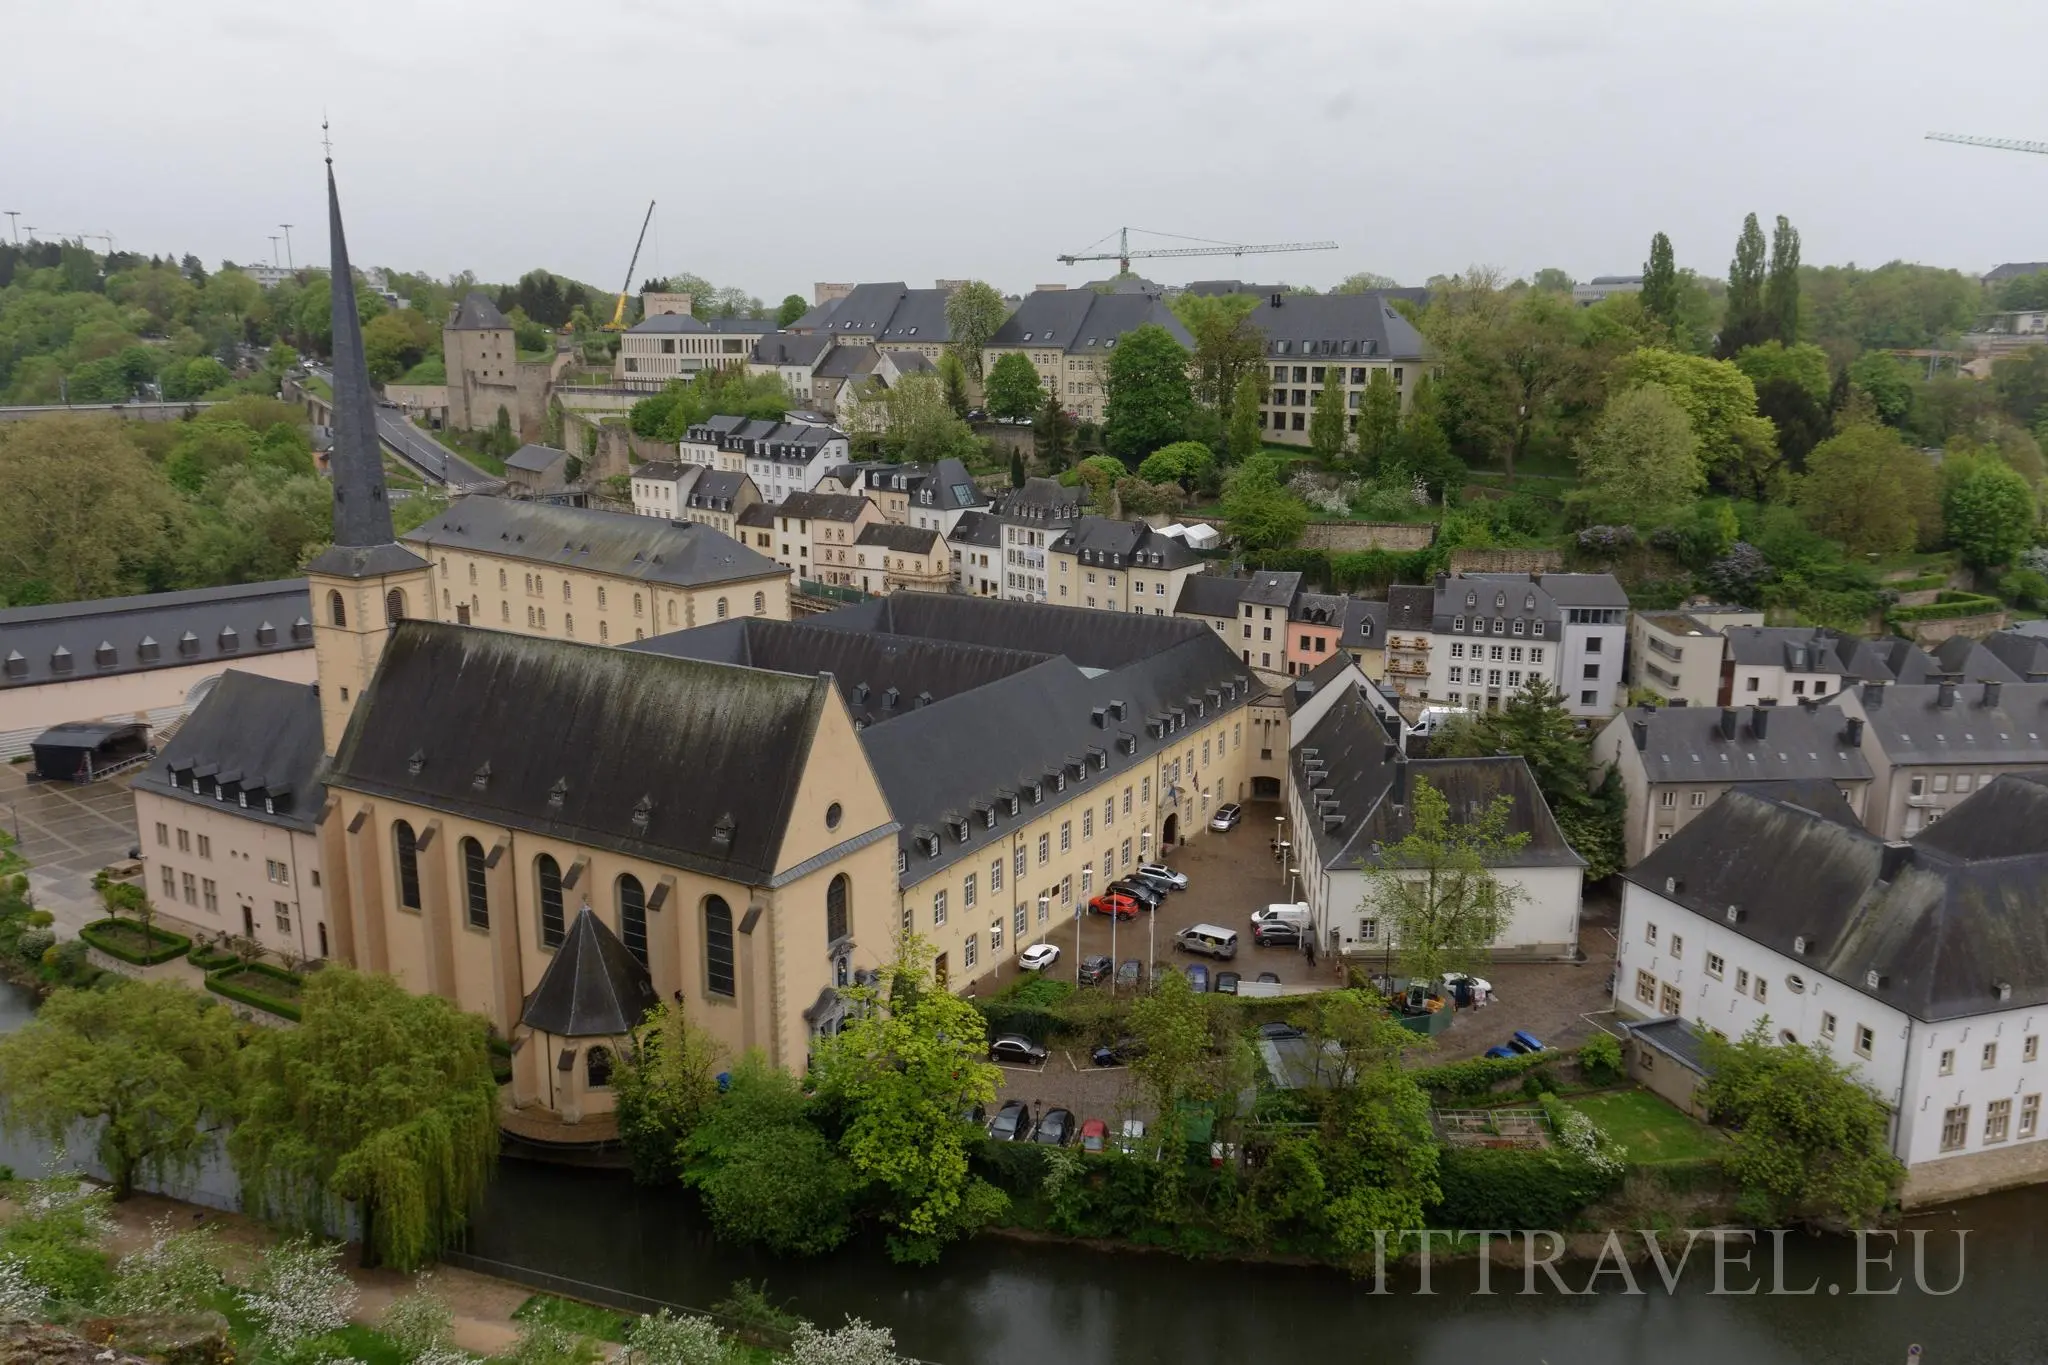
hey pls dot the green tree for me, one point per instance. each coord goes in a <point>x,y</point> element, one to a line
<point>379,1097</point>
<point>1640,463</point>
<point>85,514</point>
<point>1172,1067</point>
<point>502,440</point>
<point>2021,382</point>
<point>1745,321</point>
<point>1246,436</point>
<point>973,313</point>
<point>1551,280</point>
<point>1514,372</point>
<point>152,1062</point>
<point>1366,282</point>
<point>1434,890</point>
<point>1261,513</point>
<point>1881,376</point>
<point>953,383</point>
<point>905,1068</point>
<point>1186,463</point>
<point>1798,422</point>
<point>1149,396</point>
<point>1327,435</point>
<point>661,1087</point>
<point>1052,434</point>
<point>919,425</point>
<point>1013,389</point>
<point>1867,489</point>
<point>790,309</point>
<point>1811,1139</point>
<point>1422,448</point>
<point>1660,283</point>
<point>1781,287</point>
<point>1016,467</point>
<point>1379,421</point>
<point>1988,509</point>
<point>1804,365</point>
<point>1379,1157</point>
<point>1738,449</point>
<point>767,1175</point>
<point>1227,345</point>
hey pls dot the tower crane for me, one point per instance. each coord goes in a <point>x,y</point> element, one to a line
<point>1123,255</point>
<point>2003,144</point>
<point>618,322</point>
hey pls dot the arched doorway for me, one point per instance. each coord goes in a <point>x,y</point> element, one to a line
<point>1169,833</point>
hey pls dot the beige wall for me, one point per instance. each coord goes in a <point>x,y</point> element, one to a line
<point>815,548</point>
<point>1304,378</point>
<point>232,865</point>
<point>878,569</point>
<point>1675,663</point>
<point>1120,588</point>
<point>26,712</point>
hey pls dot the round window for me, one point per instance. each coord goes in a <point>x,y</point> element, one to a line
<point>1796,984</point>
<point>1787,1036</point>
<point>832,814</point>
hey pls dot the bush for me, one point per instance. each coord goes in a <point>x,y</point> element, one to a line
<point>1600,1059</point>
<point>212,959</point>
<point>261,985</point>
<point>1514,1187</point>
<point>1478,1077</point>
<point>132,943</point>
<point>1949,606</point>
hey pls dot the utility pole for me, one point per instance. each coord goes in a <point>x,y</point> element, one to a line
<point>273,250</point>
<point>288,246</point>
<point>14,218</point>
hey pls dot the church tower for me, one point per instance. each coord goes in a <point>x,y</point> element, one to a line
<point>365,582</point>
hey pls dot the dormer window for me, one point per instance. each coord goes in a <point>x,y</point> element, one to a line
<point>1518,625</point>
<point>1471,599</point>
<point>1529,602</point>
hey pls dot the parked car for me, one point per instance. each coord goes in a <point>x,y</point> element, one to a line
<point>1055,1128</point>
<point>1160,872</point>
<point>976,415</point>
<point>1096,967</point>
<point>1276,935</point>
<point>1011,1123</point>
<point>1016,1049</point>
<point>1198,977</point>
<point>1502,1051</point>
<point>1116,904</point>
<point>1227,816</point>
<point>1131,973</point>
<point>1278,1029</point>
<point>1117,1053</point>
<point>1094,1137</point>
<point>1525,1042</point>
<point>1272,977</point>
<point>1148,897</point>
<point>1038,957</point>
<point>1226,983</point>
<point>1294,914</point>
<point>1478,985</point>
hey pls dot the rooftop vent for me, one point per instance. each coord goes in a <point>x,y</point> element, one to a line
<point>302,630</point>
<point>60,660</point>
<point>643,812</point>
<point>266,635</point>
<point>482,778</point>
<point>149,651</point>
<point>721,833</point>
<point>188,644</point>
<point>104,656</point>
<point>1673,885</point>
<point>418,761</point>
<point>558,793</point>
<point>17,666</point>
<point>1736,915</point>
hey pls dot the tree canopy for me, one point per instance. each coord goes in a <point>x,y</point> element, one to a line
<point>1639,465</point>
<point>1012,388</point>
<point>973,313</point>
<point>1989,510</point>
<point>1866,488</point>
<point>1149,396</point>
<point>1434,891</point>
<point>1738,449</point>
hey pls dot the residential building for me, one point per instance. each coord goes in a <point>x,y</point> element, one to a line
<point>1103,565</point>
<point>1351,791</point>
<point>888,317</point>
<point>227,816</point>
<point>717,498</point>
<point>1212,600</point>
<point>781,457</point>
<point>791,358</point>
<point>931,497</point>
<point>1315,629</point>
<point>1262,608</point>
<point>1068,336</point>
<point>1930,745</point>
<point>1411,608</point>
<point>534,469</point>
<point>1494,634</point>
<point>1365,636</point>
<point>2024,652</point>
<point>150,658</point>
<point>891,558</point>
<point>670,346</point>
<point>1032,518</point>
<point>486,374</point>
<point>1603,287</point>
<point>976,545</point>
<point>1778,665</point>
<point>838,375</point>
<point>812,534</point>
<point>1315,340</point>
<point>1675,761</point>
<point>1678,654</point>
<point>661,488</point>
<point>1921,966</point>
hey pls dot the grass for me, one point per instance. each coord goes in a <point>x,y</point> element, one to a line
<point>1650,1129</point>
<point>469,445</point>
<point>319,386</point>
<point>583,1319</point>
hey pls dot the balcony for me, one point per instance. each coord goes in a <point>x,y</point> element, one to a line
<point>1671,652</point>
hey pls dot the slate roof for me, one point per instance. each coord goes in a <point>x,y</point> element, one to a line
<point>249,734</point>
<point>1410,606</point>
<point>1797,649</point>
<point>910,540</point>
<point>662,471</point>
<point>889,311</point>
<point>1206,594</point>
<point>1133,544</point>
<point>1932,926</point>
<point>1989,723</point>
<point>650,549</point>
<point>667,324</point>
<point>477,313</point>
<point>1520,596</point>
<point>1081,321</point>
<point>822,506</point>
<point>910,362</point>
<point>1712,744</point>
<point>1318,609</point>
<point>920,317</point>
<point>1341,326</point>
<point>1967,660</point>
<point>571,741</point>
<point>1365,624</point>
<point>1271,588</point>
<point>1042,501</point>
<point>1675,1038</point>
<point>592,988</point>
<point>1092,639</point>
<point>847,362</point>
<point>948,487</point>
<point>535,459</point>
<point>817,316</point>
<point>981,529</point>
<point>69,641</point>
<point>716,489</point>
<point>787,348</point>
<point>2022,652</point>
<point>757,514</point>
<point>1371,782</point>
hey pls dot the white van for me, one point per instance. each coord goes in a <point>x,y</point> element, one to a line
<point>1207,939</point>
<point>1435,719</point>
<point>1296,915</point>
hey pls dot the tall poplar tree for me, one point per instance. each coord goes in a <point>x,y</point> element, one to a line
<point>1781,289</point>
<point>1745,323</point>
<point>1660,283</point>
<point>1326,433</point>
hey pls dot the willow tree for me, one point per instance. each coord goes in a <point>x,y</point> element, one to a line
<point>380,1099</point>
<point>1434,890</point>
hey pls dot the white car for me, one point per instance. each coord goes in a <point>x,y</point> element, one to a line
<point>1038,957</point>
<point>1479,984</point>
<point>1160,872</point>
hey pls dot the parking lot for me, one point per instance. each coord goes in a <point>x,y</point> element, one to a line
<point>67,832</point>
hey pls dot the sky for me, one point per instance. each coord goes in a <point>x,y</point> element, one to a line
<point>794,141</point>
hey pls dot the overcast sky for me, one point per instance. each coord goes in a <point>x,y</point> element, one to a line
<point>790,141</point>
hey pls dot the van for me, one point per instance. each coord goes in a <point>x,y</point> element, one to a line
<point>1436,719</point>
<point>1207,939</point>
<point>1295,915</point>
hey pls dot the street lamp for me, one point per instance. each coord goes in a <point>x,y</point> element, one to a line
<point>1152,920</point>
<point>1081,910</point>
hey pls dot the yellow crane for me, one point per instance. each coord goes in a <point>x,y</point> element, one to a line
<point>618,322</point>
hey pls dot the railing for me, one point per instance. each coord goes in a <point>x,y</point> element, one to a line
<point>1658,646</point>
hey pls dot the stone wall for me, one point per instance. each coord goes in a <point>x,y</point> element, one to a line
<point>1976,627</point>
<point>1960,1177</point>
<point>1506,561</point>
<point>1351,537</point>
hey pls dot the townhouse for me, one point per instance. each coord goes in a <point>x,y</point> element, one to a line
<point>661,488</point>
<point>1104,565</point>
<point>811,534</point>
<point>1494,634</point>
<point>976,545</point>
<point>1032,518</point>
<point>717,498</point>
<point>780,457</point>
<point>1411,609</point>
<point>901,559</point>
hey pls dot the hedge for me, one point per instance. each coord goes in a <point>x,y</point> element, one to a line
<point>1476,1078</point>
<point>101,934</point>
<point>233,982</point>
<point>1513,1187</point>
<point>1954,605</point>
<point>213,959</point>
<point>1925,583</point>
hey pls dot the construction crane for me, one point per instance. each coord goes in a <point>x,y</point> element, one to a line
<point>1123,255</point>
<point>2003,144</point>
<point>618,322</point>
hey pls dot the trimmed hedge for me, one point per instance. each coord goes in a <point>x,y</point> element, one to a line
<point>110,937</point>
<point>1924,583</point>
<point>236,983</point>
<point>1477,1078</point>
<point>213,959</point>
<point>1952,605</point>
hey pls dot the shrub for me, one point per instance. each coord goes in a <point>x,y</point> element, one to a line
<point>53,1244</point>
<point>1950,606</point>
<point>133,943</point>
<point>262,985</point>
<point>299,1295</point>
<point>1471,1079</point>
<point>175,1273</point>
<point>1600,1059</point>
<point>1039,992</point>
<point>212,959</point>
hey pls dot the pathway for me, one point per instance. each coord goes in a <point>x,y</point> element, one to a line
<point>67,832</point>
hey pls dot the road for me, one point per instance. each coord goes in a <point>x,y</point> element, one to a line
<point>434,461</point>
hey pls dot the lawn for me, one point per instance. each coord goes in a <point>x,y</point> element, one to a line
<point>1650,1129</point>
<point>582,1319</point>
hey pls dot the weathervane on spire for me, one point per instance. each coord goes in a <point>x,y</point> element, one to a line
<point>326,142</point>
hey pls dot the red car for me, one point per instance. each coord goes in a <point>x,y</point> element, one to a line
<point>1115,903</point>
<point>1095,1137</point>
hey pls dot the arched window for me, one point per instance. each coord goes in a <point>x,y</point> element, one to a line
<point>760,603</point>
<point>637,605</point>
<point>565,591</point>
<point>600,597</point>
<point>721,608</point>
<point>633,916</point>
<point>838,923</point>
<point>718,969</point>
<point>549,874</point>
<point>475,884</point>
<point>597,1067</point>
<point>671,611</point>
<point>394,605</point>
<point>568,624</point>
<point>604,630</point>
<point>337,614</point>
<point>501,578</point>
<point>408,848</point>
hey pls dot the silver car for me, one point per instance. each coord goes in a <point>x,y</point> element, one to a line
<point>1159,874</point>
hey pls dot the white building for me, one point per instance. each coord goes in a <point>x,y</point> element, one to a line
<point>1494,634</point>
<point>781,457</point>
<point>1033,518</point>
<point>1779,665</point>
<point>977,545</point>
<point>1920,965</point>
<point>661,488</point>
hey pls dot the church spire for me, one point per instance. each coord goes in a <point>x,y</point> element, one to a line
<point>362,515</point>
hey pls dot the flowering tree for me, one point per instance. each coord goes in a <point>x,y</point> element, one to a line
<point>666,1339</point>
<point>299,1296</point>
<point>174,1272</point>
<point>856,1343</point>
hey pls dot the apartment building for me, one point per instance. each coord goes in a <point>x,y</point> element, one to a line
<point>887,316</point>
<point>811,534</point>
<point>1890,956</point>
<point>1411,608</point>
<point>1678,654</point>
<point>1779,665</point>
<point>1262,616</point>
<point>1494,634</point>
<point>716,498</point>
<point>661,488</point>
<point>1032,518</point>
<point>780,457</point>
<point>1931,745</point>
<point>1675,761</point>
<point>1068,336</point>
<point>901,559</point>
<point>792,359</point>
<point>977,550</point>
<point>670,346</point>
<point>1315,629</point>
<point>1316,340</point>
<point>1104,565</point>
<point>1365,636</point>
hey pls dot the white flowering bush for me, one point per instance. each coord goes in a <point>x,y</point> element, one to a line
<point>67,1197</point>
<point>299,1296</point>
<point>20,1297</point>
<point>666,1339</point>
<point>545,1343</point>
<point>1588,1141</point>
<point>177,1272</point>
<point>856,1343</point>
<point>1335,500</point>
<point>419,1322</point>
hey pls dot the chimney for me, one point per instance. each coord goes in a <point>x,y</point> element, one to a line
<point>1400,790</point>
<point>1873,694</point>
<point>1759,720</point>
<point>1945,696</point>
<point>1991,691</point>
<point>1853,735</point>
<point>1442,578</point>
<point>1647,707</point>
<point>1642,731</point>
<point>1274,299</point>
<point>1727,722</point>
<point>1893,860</point>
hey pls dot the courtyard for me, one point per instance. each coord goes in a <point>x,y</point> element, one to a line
<point>67,831</point>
